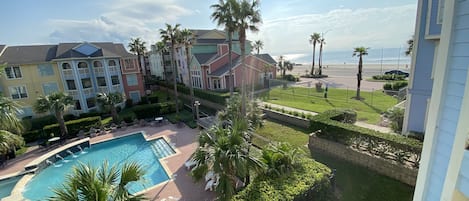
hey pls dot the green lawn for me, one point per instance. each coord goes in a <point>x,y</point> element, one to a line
<point>369,109</point>
<point>354,183</point>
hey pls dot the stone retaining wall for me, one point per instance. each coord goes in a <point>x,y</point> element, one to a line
<point>382,166</point>
<point>293,120</point>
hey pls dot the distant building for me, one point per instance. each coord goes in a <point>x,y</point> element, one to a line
<point>440,71</point>
<point>79,69</point>
<point>209,63</point>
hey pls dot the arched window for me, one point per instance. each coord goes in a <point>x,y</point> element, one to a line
<point>66,66</point>
<point>112,63</point>
<point>82,65</point>
<point>97,64</point>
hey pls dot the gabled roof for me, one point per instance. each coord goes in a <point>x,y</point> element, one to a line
<point>225,68</point>
<point>1,49</point>
<point>203,58</point>
<point>28,54</point>
<point>266,57</point>
<point>69,50</point>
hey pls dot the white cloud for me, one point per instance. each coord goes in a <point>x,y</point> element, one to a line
<point>121,21</point>
<point>346,28</point>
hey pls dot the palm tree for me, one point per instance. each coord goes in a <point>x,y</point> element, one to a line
<point>247,17</point>
<point>161,48</point>
<point>314,39</point>
<point>224,151</point>
<point>100,183</point>
<point>55,103</point>
<point>410,47</point>
<point>321,43</point>
<point>258,45</point>
<point>9,120</point>
<point>280,158</point>
<point>284,66</point>
<point>224,16</point>
<point>170,34</point>
<point>359,52</point>
<point>137,46</point>
<point>187,39</point>
<point>111,99</point>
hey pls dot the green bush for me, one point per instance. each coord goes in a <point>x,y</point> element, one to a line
<point>387,86</point>
<point>40,122</point>
<point>33,136</point>
<point>309,182</point>
<point>153,99</point>
<point>129,103</point>
<point>346,133</point>
<point>90,114</point>
<point>215,97</point>
<point>291,78</point>
<point>395,86</point>
<point>396,115</point>
<point>69,117</point>
<point>388,77</point>
<point>343,115</point>
<point>153,110</point>
<point>143,100</point>
<point>74,126</point>
<point>128,117</point>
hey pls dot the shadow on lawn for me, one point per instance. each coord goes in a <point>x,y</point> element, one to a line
<point>377,110</point>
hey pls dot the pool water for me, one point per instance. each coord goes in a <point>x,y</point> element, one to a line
<point>117,151</point>
<point>7,185</point>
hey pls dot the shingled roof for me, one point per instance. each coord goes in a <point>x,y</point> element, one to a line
<point>266,57</point>
<point>203,58</point>
<point>28,54</point>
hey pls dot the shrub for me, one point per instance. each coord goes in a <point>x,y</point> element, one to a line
<point>90,114</point>
<point>308,182</point>
<point>153,110</point>
<point>215,97</point>
<point>396,115</point>
<point>143,100</point>
<point>343,115</point>
<point>129,103</point>
<point>128,117</point>
<point>388,77</point>
<point>69,117</point>
<point>387,86</point>
<point>33,136</point>
<point>153,99</point>
<point>40,122</point>
<point>291,78</point>
<point>74,126</point>
<point>395,86</point>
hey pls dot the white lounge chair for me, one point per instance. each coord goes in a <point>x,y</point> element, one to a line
<point>209,175</point>
<point>211,184</point>
<point>190,163</point>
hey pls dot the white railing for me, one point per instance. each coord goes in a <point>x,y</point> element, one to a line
<point>84,72</point>
<point>68,73</point>
<point>73,93</point>
<point>88,92</point>
<point>99,71</point>
<point>103,89</point>
<point>116,88</point>
<point>113,69</point>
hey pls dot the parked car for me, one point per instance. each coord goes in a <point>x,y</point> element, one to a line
<point>397,72</point>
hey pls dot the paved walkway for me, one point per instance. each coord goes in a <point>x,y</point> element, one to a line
<point>358,123</point>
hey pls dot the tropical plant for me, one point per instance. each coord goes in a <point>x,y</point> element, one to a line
<point>224,16</point>
<point>187,39</point>
<point>224,150</point>
<point>280,159</point>
<point>410,47</point>
<point>9,141</point>
<point>100,183</point>
<point>359,52</point>
<point>322,42</point>
<point>171,34</point>
<point>110,100</point>
<point>161,48</point>
<point>284,66</point>
<point>313,40</point>
<point>233,111</point>
<point>396,115</point>
<point>56,103</point>
<point>137,46</point>
<point>247,17</point>
<point>258,45</point>
<point>9,120</point>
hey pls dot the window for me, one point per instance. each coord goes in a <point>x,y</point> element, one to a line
<point>216,84</point>
<point>101,81</point>
<point>91,102</point>
<point>112,63</point>
<point>71,85</point>
<point>86,83</point>
<point>66,66</point>
<point>132,80</point>
<point>45,70</point>
<point>115,80</point>
<point>50,88</point>
<point>18,92</point>
<point>97,64</point>
<point>13,72</point>
<point>82,64</point>
<point>77,105</point>
<point>441,11</point>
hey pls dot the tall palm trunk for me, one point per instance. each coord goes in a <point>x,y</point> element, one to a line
<point>314,57</point>
<point>359,76</point>
<point>191,88</point>
<point>174,75</point>
<point>242,40</point>
<point>115,117</point>
<point>61,121</point>
<point>320,58</point>
<point>230,49</point>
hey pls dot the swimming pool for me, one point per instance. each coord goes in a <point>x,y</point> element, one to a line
<point>129,148</point>
<point>7,185</point>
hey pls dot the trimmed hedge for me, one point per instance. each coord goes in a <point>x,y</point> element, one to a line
<point>395,86</point>
<point>153,110</point>
<point>309,182</point>
<point>346,133</point>
<point>40,122</point>
<point>215,97</point>
<point>33,136</point>
<point>388,77</point>
<point>74,126</point>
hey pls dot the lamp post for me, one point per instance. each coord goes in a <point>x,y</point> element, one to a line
<point>197,104</point>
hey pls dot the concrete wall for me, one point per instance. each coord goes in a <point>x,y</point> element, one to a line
<point>382,166</point>
<point>297,121</point>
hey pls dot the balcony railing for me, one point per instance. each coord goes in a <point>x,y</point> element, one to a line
<point>84,72</point>
<point>73,93</point>
<point>68,73</point>
<point>88,92</point>
<point>103,89</point>
<point>98,71</point>
<point>113,70</point>
<point>116,88</point>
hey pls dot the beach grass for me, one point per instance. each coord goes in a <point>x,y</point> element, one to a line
<point>353,182</point>
<point>369,109</point>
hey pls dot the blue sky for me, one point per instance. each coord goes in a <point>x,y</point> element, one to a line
<point>285,28</point>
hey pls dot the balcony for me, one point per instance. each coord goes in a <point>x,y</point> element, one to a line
<point>113,70</point>
<point>68,73</point>
<point>88,92</point>
<point>84,72</point>
<point>103,89</point>
<point>116,88</point>
<point>98,71</point>
<point>73,93</point>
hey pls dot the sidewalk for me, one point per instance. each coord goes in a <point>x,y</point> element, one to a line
<point>358,123</point>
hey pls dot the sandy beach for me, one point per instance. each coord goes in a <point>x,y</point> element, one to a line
<point>301,69</point>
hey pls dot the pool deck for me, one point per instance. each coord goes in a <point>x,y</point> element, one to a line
<point>181,187</point>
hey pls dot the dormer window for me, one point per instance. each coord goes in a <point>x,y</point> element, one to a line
<point>112,63</point>
<point>82,65</point>
<point>66,66</point>
<point>97,64</point>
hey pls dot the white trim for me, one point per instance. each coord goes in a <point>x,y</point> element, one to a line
<point>437,46</point>
<point>427,18</point>
<point>432,37</point>
<point>19,95</point>
<point>13,71</point>
<point>435,103</point>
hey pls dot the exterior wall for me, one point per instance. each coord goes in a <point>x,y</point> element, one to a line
<point>131,69</point>
<point>382,166</point>
<point>300,122</point>
<point>420,87</point>
<point>156,64</point>
<point>443,151</point>
<point>433,28</point>
<point>463,181</point>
